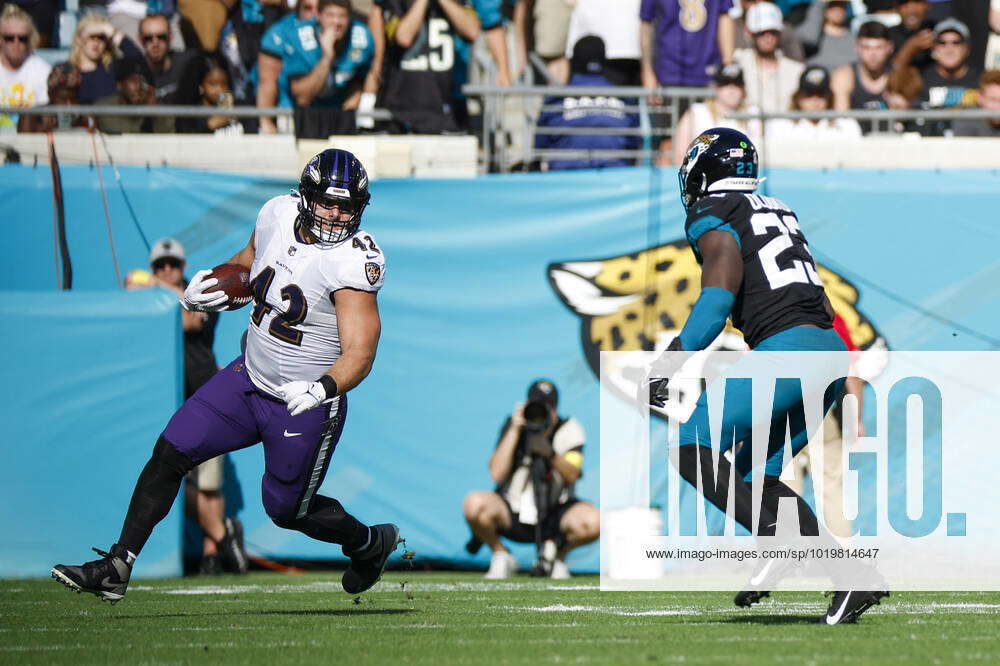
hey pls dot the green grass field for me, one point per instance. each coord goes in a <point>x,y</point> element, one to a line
<point>459,618</point>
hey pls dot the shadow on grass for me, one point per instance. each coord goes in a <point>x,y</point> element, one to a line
<point>771,619</point>
<point>337,612</point>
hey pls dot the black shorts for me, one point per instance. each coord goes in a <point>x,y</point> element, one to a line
<point>522,533</point>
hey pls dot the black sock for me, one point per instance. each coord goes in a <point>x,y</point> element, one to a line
<point>691,458</point>
<point>328,521</point>
<point>774,490</point>
<point>154,494</point>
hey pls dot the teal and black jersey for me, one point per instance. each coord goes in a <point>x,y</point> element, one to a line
<point>781,286</point>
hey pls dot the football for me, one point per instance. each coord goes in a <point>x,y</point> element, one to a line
<point>235,281</point>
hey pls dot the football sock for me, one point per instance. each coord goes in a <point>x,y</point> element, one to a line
<point>774,490</point>
<point>154,494</point>
<point>328,521</point>
<point>715,488</point>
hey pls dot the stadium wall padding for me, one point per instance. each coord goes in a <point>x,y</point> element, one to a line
<point>470,318</point>
<point>88,377</point>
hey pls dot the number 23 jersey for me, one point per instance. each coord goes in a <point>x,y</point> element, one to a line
<point>781,287</point>
<point>293,332</point>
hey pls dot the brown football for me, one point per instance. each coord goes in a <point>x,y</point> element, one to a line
<point>235,281</point>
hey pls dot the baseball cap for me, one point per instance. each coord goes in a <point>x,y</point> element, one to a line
<point>814,80</point>
<point>543,390</point>
<point>167,247</point>
<point>729,74</point>
<point>588,55</point>
<point>764,16</point>
<point>952,25</point>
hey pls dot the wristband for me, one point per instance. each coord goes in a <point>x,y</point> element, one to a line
<point>329,385</point>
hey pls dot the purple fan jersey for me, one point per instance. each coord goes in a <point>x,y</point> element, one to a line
<point>685,40</point>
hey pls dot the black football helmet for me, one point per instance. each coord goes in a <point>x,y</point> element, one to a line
<point>719,160</point>
<point>333,177</point>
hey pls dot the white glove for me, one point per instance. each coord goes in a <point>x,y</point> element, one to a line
<point>302,396</point>
<point>196,300</point>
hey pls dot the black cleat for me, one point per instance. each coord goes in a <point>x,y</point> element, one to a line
<point>210,566</point>
<point>748,598</point>
<point>367,566</point>
<point>847,607</point>
<point>234,557</point>
<point>106,577</point>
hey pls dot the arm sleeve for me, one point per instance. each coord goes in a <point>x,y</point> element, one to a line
<point>647,10</point>
<point>360,272</point>
<point>272,42</point>
<point>707,318</point>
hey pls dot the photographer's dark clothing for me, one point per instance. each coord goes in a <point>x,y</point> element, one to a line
<point>522,533</point>
<point>518,490</point>
<point>199,359</point>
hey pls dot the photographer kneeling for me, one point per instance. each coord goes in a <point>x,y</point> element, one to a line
<point>536,463</point>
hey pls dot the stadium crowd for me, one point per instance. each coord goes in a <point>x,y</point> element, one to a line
<point>327,59</point>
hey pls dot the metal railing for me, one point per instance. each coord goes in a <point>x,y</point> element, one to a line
<point>502,150</point>
<point>501,119</point>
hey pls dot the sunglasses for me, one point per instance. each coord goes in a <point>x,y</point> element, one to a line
<point>100,36</point>
<point>17,38</point>
<point>950,42</point>
<point>146,39</point>
<point>164,262</point>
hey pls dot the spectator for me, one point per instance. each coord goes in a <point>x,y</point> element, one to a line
<point>862,84</point>
<point>549,33</point>
<point>587,69</point>
<point>135,88</point>
<point>23,75</point>
<point>95,53</point>
<point>207,82</point>
<point>165,65</point>
<point>814,94</point>
<point>43,15</point>
<point>826,34</point>
<point>988,98</point>
<point>222,536</point>
<point>63,84</point>
<point>950,82</point>
<point>993,43</point>
<point>791,45</point>
<point>730,95</point>
<point>330,69</point>
<point>534,432</point>
<point>901,94</point>
<point>279,42</point>
<point>207,17</point>
<point>880,11</point>
<point>617,23</point>
<point>678,50</point>
<point>771,76</point>
<point>424,65</point>
<point>913,38</point>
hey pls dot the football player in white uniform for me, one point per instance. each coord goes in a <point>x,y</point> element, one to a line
<point>313,333</point>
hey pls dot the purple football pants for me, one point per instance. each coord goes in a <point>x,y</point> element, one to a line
<point>229,413</point>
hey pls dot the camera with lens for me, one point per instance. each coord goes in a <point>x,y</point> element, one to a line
<point>538,420</point>
<point>537,416</point>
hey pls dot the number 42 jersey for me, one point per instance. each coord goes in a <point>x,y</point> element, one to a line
<point>781,286</point>
<point>293,332</point>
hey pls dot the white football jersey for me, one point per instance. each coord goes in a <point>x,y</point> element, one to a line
<point>293,326</point>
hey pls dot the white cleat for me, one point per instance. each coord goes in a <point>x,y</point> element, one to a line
<point>559,570</point>
<point>502,565</point>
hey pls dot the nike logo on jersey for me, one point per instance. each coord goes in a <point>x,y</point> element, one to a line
<point>292,434</point>
<point>835,618</point>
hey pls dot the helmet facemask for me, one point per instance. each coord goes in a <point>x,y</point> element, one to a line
<point>328,229</point>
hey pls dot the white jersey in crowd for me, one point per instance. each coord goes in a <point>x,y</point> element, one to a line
<point>293,334</point>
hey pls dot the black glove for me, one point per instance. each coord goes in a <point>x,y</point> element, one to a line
<point>658,392</point>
